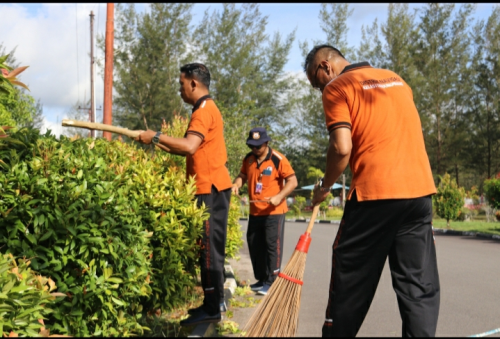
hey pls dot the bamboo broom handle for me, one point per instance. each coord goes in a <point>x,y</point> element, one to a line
<point>313,217</point>
<point>100,127</point>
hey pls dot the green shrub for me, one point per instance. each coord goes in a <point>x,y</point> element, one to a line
<point>335,212</point>
<point>295,210</point>
<point>449,199</point>
<point>25,298</point>
<point>298,205</point>
<point>492,191</point>
<point>465,214</point>
<point>85,211</point>
<point>234,234</point>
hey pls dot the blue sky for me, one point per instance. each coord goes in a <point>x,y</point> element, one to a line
<point>53,39</point>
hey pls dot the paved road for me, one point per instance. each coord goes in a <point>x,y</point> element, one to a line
<point>469,271</point>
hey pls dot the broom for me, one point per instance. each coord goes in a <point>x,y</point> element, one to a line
<point>278,313</point>
<point>100,127</point>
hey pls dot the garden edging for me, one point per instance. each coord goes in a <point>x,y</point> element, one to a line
<point>307,220</point>
<point>474,234</point>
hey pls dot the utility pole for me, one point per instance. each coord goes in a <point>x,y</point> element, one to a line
<point>92,108</point>
<point>92,70</point>
<point>108,70</point>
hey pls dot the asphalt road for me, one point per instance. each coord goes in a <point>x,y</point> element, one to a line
<point>469,270</point>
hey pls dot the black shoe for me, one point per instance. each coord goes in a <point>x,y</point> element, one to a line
<point>257,286</point>
<point>264,289</point>
<point>222,306</point>
<point>195,310</point>
<point>200,318</point>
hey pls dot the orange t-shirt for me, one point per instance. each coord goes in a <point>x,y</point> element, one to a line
<point>271,172</point>
<point>388,158</point>
<point>208,163</point>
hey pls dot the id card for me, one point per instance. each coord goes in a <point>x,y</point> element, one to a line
<point>258,188</point>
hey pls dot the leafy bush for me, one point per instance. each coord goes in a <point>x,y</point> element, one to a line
<point>298,205</point>
<point>234,234</point>
<point>8,76</point>
<point>176,128</point>
<point>115,228</point>
<point>449,199</point>
<point>15,106</point>
<point>25,298</point>
<point>467,214</point>
<point>492,192</point>
<point>335,212</point>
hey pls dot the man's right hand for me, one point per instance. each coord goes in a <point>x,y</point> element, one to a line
<point>318,195</point>
<point>235,189</point>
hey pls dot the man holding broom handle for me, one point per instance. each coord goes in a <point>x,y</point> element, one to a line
<point>265,170</point>
<point>375,128</point>
<point>205,150</point>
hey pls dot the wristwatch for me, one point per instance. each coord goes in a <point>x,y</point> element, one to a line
<point>156,138</point>
<point>321,188</point>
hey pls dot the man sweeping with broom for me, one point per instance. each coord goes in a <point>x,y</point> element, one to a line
<point>205,150</point>
<point>375,128</point>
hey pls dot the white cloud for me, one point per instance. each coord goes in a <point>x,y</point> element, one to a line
<point>47,42</point>
<point>56,128</point>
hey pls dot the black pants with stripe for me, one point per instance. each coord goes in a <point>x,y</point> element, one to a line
<point>265,242</point>
<point>213,248</point>
<point>371,231</point>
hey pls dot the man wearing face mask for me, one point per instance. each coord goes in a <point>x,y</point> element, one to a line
<point>374,127</point>
<point>206,157</point>
<point>266,171</point>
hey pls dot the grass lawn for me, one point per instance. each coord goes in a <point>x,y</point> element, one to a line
<point>307,215</point>
<point>470,226</point>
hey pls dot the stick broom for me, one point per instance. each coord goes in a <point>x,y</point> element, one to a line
<point>278,313</point>
<point>100,127</point>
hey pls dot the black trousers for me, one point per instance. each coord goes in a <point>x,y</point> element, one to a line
<point>265,242</point>
<point>213,248</point>
<point>369,232</point>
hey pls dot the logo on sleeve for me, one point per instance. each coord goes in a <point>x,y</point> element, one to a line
<point>383,83</point>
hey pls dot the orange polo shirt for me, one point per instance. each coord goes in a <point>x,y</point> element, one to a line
<point>388,158</point>
<point>208,163</point>
<point>272,172</point>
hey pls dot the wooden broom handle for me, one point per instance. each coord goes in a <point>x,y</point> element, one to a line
<point>313,217</point>
<point>100,127</point>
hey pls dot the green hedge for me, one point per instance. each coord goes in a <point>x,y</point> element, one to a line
<point>234,234</point>
<point>114,227</point>
<point>25,298</point>
<point>492,190</point>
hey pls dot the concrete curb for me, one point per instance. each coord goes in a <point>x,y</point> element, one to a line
<point>209,330</point>
<point>474,234</point>
<point>307,220</point>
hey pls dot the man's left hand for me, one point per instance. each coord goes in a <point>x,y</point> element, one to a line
<point>145,137</point>
<point>275,201</point>
<point>318,195</point>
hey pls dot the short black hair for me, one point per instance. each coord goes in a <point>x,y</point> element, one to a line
<point>197,71</point>
<point>315,50</point>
